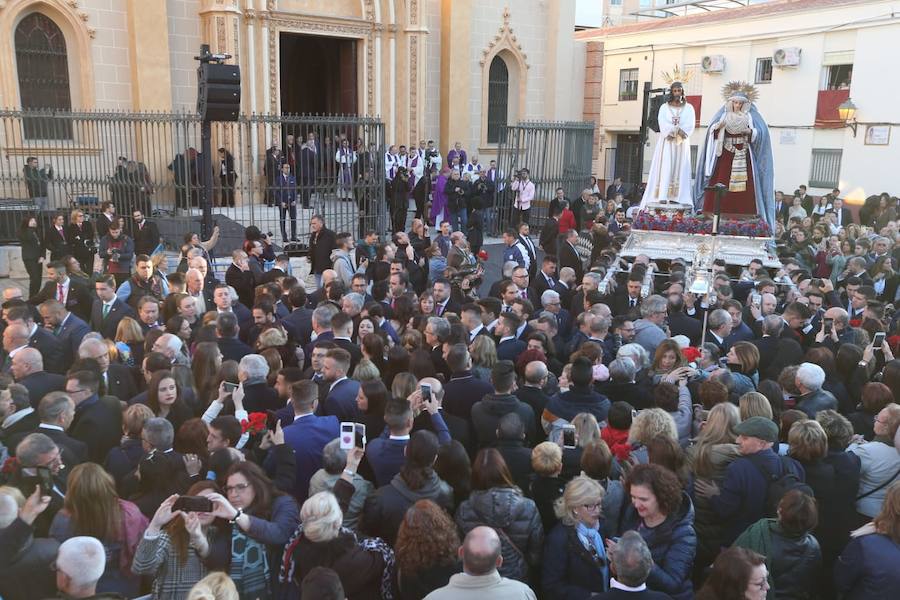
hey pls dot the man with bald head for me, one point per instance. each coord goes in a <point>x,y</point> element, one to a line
<point>328,275</point>
<point>459,428</point>
<point>38,337</point>
<point>240,277</point>
<point>15,339</point>
<point>532,392</point>
<point>27,369</point>
<point>195,287</point>
<point>480,554</point>
<point>68,328</point>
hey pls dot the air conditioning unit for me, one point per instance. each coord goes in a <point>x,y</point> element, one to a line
<point>713,63</point>
<point>786,57</point>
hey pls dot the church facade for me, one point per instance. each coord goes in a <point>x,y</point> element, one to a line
<point>430,69</point>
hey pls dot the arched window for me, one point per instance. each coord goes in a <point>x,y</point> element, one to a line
<point>43,69</point>
<point>498,99</point>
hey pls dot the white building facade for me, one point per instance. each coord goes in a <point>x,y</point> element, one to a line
<point>806,57</point>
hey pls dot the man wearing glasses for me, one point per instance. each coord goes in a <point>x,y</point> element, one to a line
<point>34,453</point>
<point>98,421</point>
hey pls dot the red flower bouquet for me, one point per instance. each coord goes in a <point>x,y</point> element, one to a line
<point>483,255</point>
<point>256,423</point>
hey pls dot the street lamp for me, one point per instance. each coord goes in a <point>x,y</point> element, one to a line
<point>847,113</point>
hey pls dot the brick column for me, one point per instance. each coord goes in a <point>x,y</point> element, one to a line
<point>593,101</point>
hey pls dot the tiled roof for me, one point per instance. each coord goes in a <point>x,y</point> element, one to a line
<point>745,12</point>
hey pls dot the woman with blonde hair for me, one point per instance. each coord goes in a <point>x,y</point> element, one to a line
<point>81,236</point>
<point>713,450</point>
<point>754,404</point>
<point>320,541</point>
<point>129,342</point>
<point>484,356</point>
<point>93,508</point>
<point>215,586</point>
<point>575,563</point>
<point>647,425</point>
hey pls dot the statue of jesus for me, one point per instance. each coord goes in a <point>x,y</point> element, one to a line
<point>669,181</point>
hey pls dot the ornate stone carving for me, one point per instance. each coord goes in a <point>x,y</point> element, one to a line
<point>413,85</point>
<point>288,22</point>
<point>220,34</point>
<point>505,38</point>
<point>73,8</point>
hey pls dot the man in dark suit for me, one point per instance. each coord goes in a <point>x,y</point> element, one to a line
<point>106,314</point>
<point>781,208</point>
<point>17,417</point>
<point>227,338</point>
<point>545,278</point>
<point>616,188</point>
<point>322,241</point>
<point>39,338</point>
<point>98,421</point>
<point>548,241</point>
<point>308,434</point>
<point>843,214</point>
<point>460,429</point>
<point>342,327</point>
<point>77,298</point>
<point>55,414</point>
<point>115,379</point>
<point>530,251</point>
<point>679,322</point>
<point>532,393</point>
<point>631,560</point>
<point>341,398</point>
<point>27,369</point>
<point>239,276</point>
<point>68,329</point>
<point>628,301</point>
<point>299,322</point>
<point>258,396</point>
<point>509,347</point>
<point>775,350</point>
<point>568,255</point>
<point>145,234</point>
<point>286,200</point>
<point>443,303</point>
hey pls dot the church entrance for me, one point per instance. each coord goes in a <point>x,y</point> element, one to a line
<point>318,75</point>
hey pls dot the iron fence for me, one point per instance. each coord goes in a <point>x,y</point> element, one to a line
<point>150,161</point>
<point>557,155</point>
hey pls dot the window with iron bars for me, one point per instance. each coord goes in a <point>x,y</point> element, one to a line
<point>825,168</point>
<point>498,99</point>
<point>628,84</point>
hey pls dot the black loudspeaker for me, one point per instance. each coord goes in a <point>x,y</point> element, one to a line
<point>219,92</point>
<point>656,103</point>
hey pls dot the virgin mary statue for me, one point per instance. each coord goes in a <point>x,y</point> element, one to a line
<point>669,181</point>
<point>737,155</point>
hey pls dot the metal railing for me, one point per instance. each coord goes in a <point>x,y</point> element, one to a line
<point>150,161</point>
<point>557,155</point>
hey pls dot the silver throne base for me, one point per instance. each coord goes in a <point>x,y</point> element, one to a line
<point>668,245</point>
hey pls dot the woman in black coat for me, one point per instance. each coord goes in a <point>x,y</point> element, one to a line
<point>55,238</point>
<point>575,564</point>
<point>32,253</point>
<point>81,238</point>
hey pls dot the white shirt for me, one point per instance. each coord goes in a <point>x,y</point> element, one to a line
<point>475,331</point>
<point>16,417</point>
<point>50,426</point>
<point>615,585</point>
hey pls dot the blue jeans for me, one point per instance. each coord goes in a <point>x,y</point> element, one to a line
<point>459,220</point>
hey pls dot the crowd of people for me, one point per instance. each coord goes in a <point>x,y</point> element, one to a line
<point>404,428</point>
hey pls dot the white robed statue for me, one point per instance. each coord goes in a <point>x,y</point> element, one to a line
<point>669,181</point>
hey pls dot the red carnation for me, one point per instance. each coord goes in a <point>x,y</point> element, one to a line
<point>482,254</point>
<point>255,424</point>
